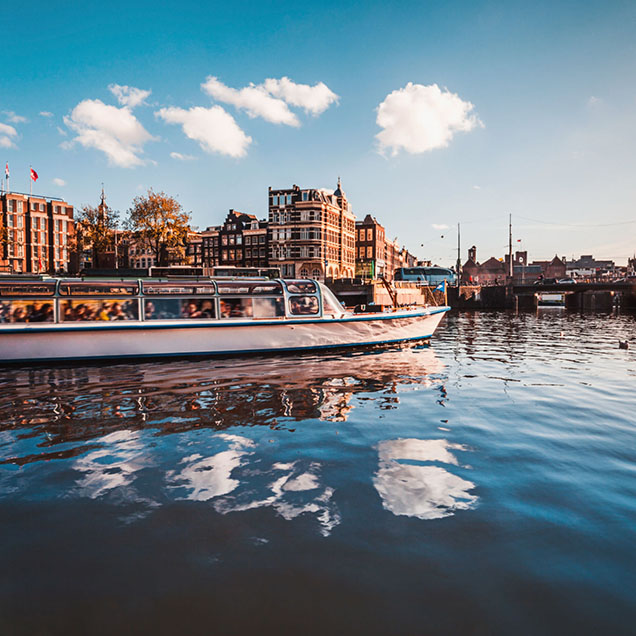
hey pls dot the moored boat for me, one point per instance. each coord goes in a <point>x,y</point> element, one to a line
<point>51,319</point>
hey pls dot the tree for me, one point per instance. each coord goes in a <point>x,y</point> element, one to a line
<point>159,223</point>
<point>95,229</point>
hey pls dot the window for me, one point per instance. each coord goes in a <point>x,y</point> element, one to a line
<point>32,310</point>
<point>369,234</point>
<point>10,220</point>
<point>304,305</point>
<point>41,207</point>
<point>239,239</point>
<point>224,239</point>
<point>20,207</point>
<point>305,196</point>
<point>99,309</point>
<point>248,240</point>
<point>20,221</point>
<point>369,252</point>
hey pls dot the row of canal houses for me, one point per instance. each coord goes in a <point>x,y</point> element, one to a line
<point>309,232</point>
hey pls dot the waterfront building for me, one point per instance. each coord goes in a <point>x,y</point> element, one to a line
<point>491,272</point>
<point>242,241</point>
<point>311,233</point>
<point>371,249</point>
<point>589,267</point>
<point>35,233</point>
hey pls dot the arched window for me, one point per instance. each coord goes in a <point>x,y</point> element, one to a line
<point>315,273</point>
<point>304,273</point>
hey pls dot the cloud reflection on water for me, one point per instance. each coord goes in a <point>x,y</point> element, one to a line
<point>424,492</point>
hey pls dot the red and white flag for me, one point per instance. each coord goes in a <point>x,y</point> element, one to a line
<point>34,175</point>
<point>6,170</point>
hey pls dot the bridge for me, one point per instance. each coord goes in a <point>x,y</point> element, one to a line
<point>576,288</point>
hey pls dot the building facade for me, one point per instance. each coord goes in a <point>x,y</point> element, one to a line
<point>371,249</point>
<point>311,233</point>
<point>242,241</point>
<point>36,234</point>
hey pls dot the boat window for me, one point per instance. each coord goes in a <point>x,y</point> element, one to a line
<point>32,310</point>
<point>99,309</point>
<point>301,286</point>
<point>330,304</point>
<point>27,289</point>
<point>268,307</point>
<point>304,305</point>
<point>99,288</point>
<point>251,288</point>
<point>172,289</point>
<point>179,308</point>
<point>236,308</point>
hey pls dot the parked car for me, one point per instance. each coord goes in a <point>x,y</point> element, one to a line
<point>545,281</point>
<point>566,281</point>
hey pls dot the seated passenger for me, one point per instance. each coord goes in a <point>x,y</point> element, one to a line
<point>190,310</point>
<point>117,313</point>
<point>149,310</point>
<point>19,315</point>
<point>103,312</point>
<point>303,305</point>
<point>207,309</point>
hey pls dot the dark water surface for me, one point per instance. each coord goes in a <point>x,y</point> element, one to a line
<point>484,484</point>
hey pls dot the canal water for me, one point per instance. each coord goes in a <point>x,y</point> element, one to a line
<point>485,484</point>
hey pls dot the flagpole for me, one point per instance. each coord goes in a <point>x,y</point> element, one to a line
<point>30,182</point>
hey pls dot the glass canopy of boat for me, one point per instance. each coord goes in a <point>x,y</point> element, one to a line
<point>76,300</point>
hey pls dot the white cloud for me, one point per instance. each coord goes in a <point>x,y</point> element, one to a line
<point>476,187</point>
<point>7,136</point>
<point>46,113</point>
<point>180,157</point>
<point>62,131</point>
<point>13,118</point>
<point>314,99</point>
<point>439,226</point>
<point>129,95</point>
<point>420,118</point>
<point>114,131</point>
<point>214,129</point>
<point>59,182</point>
<point>254,100</point>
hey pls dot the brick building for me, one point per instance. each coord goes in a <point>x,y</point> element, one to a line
<point>371,249</point>
<point>242,241</point>
<point>36,234</point>
<point>311,233</point>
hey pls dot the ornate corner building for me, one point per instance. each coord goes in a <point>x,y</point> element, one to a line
<point>311,233</point>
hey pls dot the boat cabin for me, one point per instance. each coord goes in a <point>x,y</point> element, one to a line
<point>76,300</point>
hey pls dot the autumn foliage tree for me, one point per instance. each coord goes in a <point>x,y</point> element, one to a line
<point>159,223</point>
<point>95,229</point>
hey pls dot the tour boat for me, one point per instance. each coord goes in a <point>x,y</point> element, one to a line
<point>48,319</point>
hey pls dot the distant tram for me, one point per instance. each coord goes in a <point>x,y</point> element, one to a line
<point>426,275</point>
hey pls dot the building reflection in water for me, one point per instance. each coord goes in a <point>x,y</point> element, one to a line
<point>107,423</point>
<point>411,482</point>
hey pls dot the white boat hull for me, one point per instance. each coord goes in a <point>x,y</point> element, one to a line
<point>77,341</point>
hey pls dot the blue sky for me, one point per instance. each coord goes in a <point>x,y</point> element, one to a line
<point>489,108</point>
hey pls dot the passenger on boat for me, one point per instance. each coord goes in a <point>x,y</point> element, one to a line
<point>190,310</point>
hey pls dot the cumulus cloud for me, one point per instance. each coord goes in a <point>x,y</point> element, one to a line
<point>313,99</point>
<point>180,157</point>
<point>13,118</point>
<point>46,113</point>
<point>7,136</point>
<point>420,118</point>
<point>254,100</point>
<point>114,131</point>
<point>59,182</point>
<point>213,128</point>
<point>129,95</point>
<point>439,226</point>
